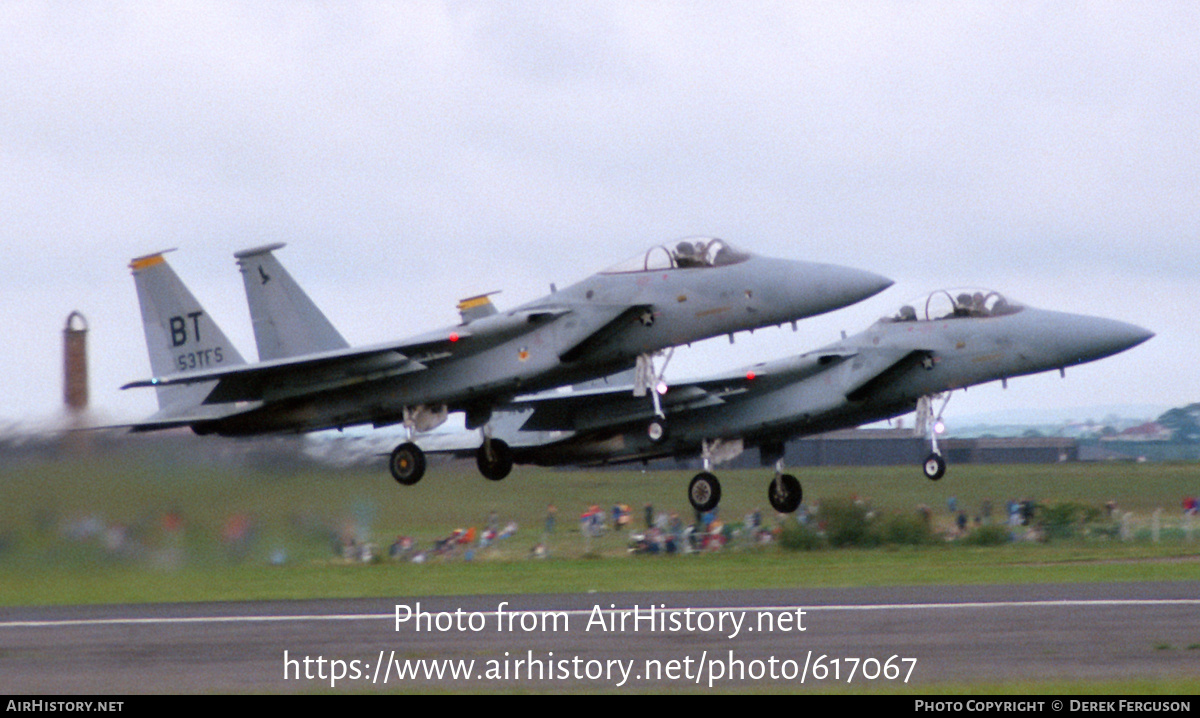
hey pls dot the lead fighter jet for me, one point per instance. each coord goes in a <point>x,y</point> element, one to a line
<point>308,377</point>
<point>949,340</point>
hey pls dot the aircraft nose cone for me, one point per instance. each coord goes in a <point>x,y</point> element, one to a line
<point>861,284</point>
<point>1127,336</point>
<point>1104,337</point>
<point>843,286</point>
<point>794,290</point>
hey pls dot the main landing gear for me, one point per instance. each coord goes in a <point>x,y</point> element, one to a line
<point>784,492</point>
<point>407,463</point>
<point>494,458</point>
<point>704,492</point>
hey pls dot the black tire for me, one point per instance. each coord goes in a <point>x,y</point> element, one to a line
<point>407,463</point>
<point>657,431</point>
<point>704,492</point>
<point>494,459</point>
<point>934,467</point>
<point>785,494</point>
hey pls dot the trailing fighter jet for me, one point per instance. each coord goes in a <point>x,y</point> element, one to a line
<point>309,378</point>
<point>949,340</point>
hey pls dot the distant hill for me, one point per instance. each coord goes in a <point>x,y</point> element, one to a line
<point>1131,414</point>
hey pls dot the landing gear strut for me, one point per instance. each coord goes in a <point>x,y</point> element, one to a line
<point>647,378</point>
<point>935,464</point>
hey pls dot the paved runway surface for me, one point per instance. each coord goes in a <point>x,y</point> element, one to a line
<point>552,642</point>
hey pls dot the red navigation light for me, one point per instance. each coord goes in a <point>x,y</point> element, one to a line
<point>749,376</point>
<point>453,336</point>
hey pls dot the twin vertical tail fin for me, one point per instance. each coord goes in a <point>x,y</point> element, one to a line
<point>286,322</point>
<point>180,335</point>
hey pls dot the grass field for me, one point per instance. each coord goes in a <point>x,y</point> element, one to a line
<point>155,528</point>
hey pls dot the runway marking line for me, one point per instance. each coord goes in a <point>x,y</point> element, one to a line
<point>168,620</point>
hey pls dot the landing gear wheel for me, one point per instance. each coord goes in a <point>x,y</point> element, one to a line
<point>785,494</point>
<point>494,459</point>
<point>704,492</point>
<point>407,463</point>
<point>934,467</point>
<point>657,431</point>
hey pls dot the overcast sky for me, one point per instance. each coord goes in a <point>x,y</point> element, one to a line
<point>414,153</point>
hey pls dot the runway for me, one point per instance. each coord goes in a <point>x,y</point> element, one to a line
<point>771,639</point>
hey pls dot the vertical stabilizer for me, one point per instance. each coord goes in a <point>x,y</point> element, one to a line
<point>180,335</point>
<point>286,322</point>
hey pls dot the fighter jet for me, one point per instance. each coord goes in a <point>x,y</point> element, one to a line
<point>949,340</point>
<point>309,378</point>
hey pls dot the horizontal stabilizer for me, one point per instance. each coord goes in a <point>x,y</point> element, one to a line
<point>337,368</point>
<point>284,377</point>
<point>186,417</point>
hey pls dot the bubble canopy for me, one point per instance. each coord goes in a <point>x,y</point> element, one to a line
<point>687,253</point>
<point>957,304</point>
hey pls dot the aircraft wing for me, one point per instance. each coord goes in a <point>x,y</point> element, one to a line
<point>607,406</point>
<point>618,318</point>
<point>323,371</point>
<point>781,371</point>
<point>597,408</point>
<point>863,369</point>
<point>879,366</point>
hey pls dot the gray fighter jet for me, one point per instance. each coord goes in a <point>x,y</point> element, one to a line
<point>949,340</point>
<point>308,377</point>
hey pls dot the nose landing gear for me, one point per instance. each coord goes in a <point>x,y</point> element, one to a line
<point>935,464</point>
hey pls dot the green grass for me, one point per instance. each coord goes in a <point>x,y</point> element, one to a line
<point>755,569</point>
<point>47,554</point>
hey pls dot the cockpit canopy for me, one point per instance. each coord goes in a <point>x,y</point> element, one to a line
<point>688,253</point>
<point>956,303</point>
